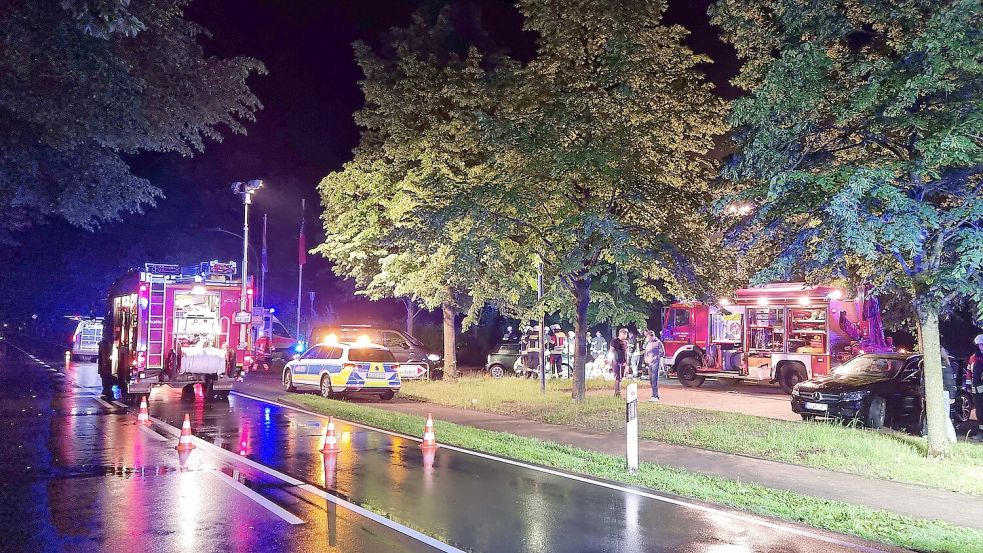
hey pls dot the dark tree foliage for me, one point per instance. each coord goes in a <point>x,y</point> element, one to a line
<point>83,83</point>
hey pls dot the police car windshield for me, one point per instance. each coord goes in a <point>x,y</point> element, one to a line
<point>370,355</point>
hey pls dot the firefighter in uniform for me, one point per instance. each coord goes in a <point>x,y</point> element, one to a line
<point>976,365</point>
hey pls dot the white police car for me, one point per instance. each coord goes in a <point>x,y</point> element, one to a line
<point>340,368</point>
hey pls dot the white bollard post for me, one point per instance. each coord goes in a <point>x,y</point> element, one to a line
<point>631,418</point>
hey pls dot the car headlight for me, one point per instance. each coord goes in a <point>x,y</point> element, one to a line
<point>433,357</point>
<point>854,396</point>
<point>795,391</point>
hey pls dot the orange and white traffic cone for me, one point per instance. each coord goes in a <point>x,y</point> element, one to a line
<point>330,442</point>
<point>144,416</point>
<point>185,443</point>
<point>429,439</point>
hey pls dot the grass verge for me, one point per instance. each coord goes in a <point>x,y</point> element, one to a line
<point>880,526</point>
<point>833,446</point>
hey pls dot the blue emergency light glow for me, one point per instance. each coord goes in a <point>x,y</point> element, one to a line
<point>299,347</point>
<point>272,310</point>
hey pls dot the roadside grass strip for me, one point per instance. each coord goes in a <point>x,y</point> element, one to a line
<point>878,526</point>
<point>830,445</point>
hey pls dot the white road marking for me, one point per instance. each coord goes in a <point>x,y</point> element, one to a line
<point>266,503</point>
<point>226,453</point>
<point>104,403</point>
<point>153,435</point>
<point>649,495</point>
<point>419,536</point>
<point>405,530</point>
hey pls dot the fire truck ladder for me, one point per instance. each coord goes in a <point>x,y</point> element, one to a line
<point>155,320</point>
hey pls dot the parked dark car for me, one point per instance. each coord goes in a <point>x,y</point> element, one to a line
<point>875,389</point>
<point>502,358</point>
<point>963,408</point>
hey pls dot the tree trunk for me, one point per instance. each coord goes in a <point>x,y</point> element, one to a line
<point>936,408</point>
<point>450,341</point>
<point>411,312</point>
<point>581,331</point>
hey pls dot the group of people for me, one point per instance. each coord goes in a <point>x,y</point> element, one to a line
<point>652,352</point>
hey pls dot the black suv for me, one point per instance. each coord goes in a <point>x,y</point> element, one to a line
<point>876,389</point>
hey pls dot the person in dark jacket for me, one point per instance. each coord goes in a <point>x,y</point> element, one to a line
<point>619,358</point>
<point>976,365</point>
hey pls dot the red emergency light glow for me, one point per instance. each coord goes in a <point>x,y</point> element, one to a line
<point>249,291</point>
<point>143,288</point>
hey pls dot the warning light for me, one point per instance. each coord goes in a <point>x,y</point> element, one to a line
<point>762,301</point>
<point>143,287</point>
<point>835,295</point>
<point>249,291</point>
<point>272,310</point>
<point>803,301</point>
<point>363,340</point>
<point>198,290</point>
<point>331,339</point>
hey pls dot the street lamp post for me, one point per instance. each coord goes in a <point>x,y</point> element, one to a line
<point>246,189</point>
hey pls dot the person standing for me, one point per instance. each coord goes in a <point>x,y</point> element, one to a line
<point>654,352</point>
<point>619,358</point>
<point>598,346</point>
<point>976,365</point>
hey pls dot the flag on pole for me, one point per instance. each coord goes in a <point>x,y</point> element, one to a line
<point>265,264</point>
<point>301,241</point>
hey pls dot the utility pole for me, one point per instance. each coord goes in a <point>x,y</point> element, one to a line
<point>263,268</point>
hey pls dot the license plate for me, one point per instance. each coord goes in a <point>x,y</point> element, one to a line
<point>816,406</point>
<point>376,375</point>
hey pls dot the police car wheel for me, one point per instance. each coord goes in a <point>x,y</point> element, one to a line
<point>326,387</point>
<point>288,382</point>
<point>386,396</point>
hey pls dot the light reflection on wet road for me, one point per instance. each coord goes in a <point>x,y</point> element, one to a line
<point>78,476</point>
<point>471,502</point>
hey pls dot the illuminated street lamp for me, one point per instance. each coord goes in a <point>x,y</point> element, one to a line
<point>246,189</point>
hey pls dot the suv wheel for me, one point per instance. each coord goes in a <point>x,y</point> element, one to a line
<point>496,371</point>
<point>963,407</point>
<point>873,418</point>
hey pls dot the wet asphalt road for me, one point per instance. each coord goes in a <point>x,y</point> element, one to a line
<point>96,479</point>
<point>76,475</point>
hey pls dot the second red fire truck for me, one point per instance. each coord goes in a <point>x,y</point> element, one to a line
<point>177,326</point>
<point>780,333</point>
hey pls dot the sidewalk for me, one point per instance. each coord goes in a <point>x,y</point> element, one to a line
<point>907,499</point>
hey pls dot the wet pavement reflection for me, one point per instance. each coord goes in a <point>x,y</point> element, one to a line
<point>468,501</point>
<point>77,474</point>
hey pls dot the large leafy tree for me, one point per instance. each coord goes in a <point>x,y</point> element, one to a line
<point>600,168</point>
<point>85,82</point>
<point>861,144</point>
<point>384,212</point>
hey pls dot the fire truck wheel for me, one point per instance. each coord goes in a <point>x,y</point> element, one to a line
<point>792,374</point>
<point>874,417</point>
<point>686,372</point>
<point>288,382</point>
<point>188,392</point>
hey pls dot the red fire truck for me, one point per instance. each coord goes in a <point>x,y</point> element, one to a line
<point>780,333</point>
<point>178,326</point>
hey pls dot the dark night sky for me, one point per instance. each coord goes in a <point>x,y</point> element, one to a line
<point>304,131</point>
